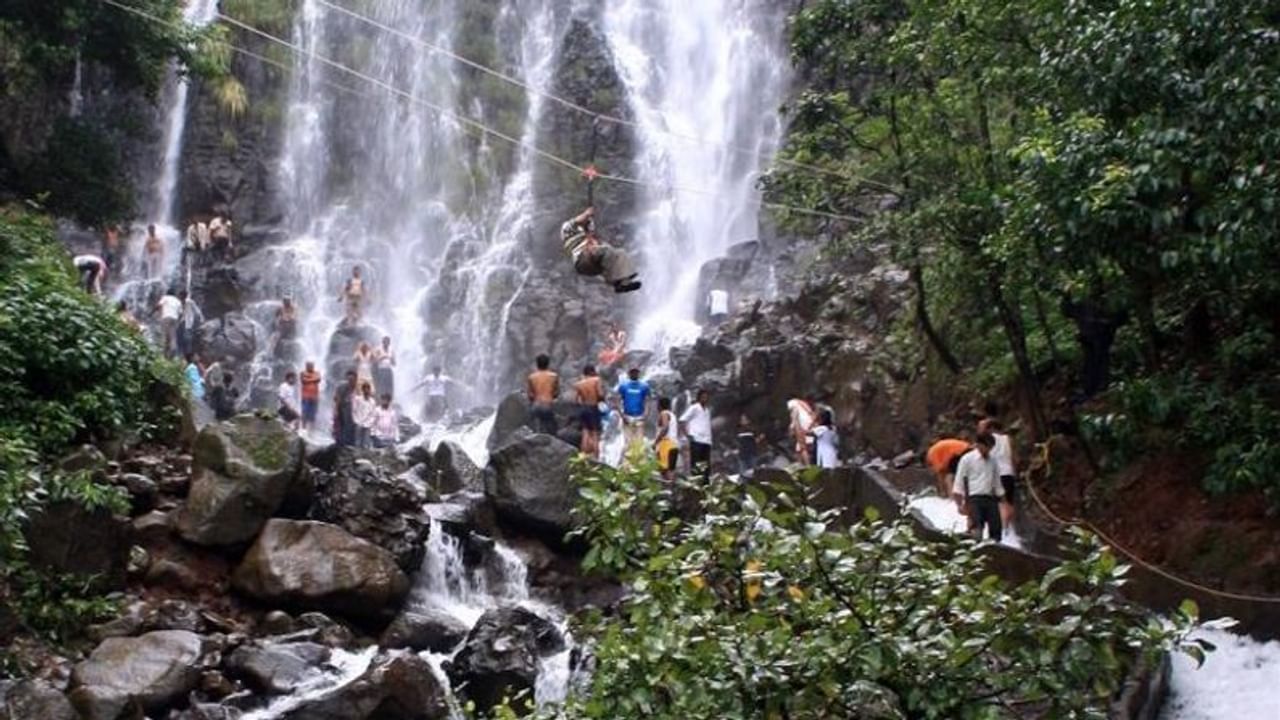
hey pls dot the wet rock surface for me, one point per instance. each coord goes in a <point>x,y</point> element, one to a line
<point>501,654</point>
<point>397,686</point>
<point>276,669</point>
<point>430,629</point>
<point>317,566</point>
<point>529,484</point>
<point>147,673</point>
<point>244,469</point>
<point>365,498</point>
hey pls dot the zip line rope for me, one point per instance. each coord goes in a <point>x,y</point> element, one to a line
<point>479,126</point>
<point>1081,522</point>
<point>595,115</point>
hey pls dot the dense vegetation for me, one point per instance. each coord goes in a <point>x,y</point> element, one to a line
<point>76,165</point>
<point>748,604</point>
<point>70,372</point>
<point>1067,176</point>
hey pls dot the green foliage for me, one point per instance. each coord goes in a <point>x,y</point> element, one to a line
<point>273,16</point>
<point>745,603</point>
<point>80,175</point>
<point>70,371</point>
<point>1119,155</point>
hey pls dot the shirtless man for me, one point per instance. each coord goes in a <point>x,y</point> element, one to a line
<point>153,253</point>
<point>589,393</point>
<point>353,296</point>
<point>542,389</point>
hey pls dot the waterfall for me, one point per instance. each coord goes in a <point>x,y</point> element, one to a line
<point>161,211</point>
<point>706,79</point>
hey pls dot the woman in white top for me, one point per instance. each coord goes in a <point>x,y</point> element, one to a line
<point>826,441</point>
<point>1002,451</point>
<point>364,365</point>
<point>364,412</point>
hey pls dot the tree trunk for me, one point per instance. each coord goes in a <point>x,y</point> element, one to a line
<point>926,323</point>
<point>1015,333</point>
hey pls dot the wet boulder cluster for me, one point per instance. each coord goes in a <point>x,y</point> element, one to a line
<point>260,573</point>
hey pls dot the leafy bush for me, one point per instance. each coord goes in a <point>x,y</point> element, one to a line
<point>70,371</point>
<point>80,175</point>
<point>747,603</point>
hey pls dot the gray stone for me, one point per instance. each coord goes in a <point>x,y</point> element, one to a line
<point>397,686</point>
<point>150,672</point>
<point>276,669</point>
<point>528,483</point>
<point>428,629</point>
<point>512,414</point>
<point>317,566</point>
<point>34,700</point>
<point>500,657</point>
<point>244,468</point>
<point>231,336</point>
<point>454,469</point>
<point>65,537</point>
<point>363,497</point>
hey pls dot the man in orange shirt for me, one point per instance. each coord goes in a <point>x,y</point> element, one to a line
<point>310,381</point>
<point>943,458</point>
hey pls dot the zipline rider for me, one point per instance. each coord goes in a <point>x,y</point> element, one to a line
<point>591,256</point>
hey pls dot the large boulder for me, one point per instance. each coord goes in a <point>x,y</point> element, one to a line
<point>232,336</point>
<point>243,470</point>
<point>317,566</point>
<point>365,499</point>
<point>501,654</point>
<point>512,415</point>
<point>65,537</point>
<point>396,686</point>
<point>123,676</point>
<point>430,629</point>
<point>528,483</point>
<point>276,669</point>
<point>454,470</point>
<point>32,700</point>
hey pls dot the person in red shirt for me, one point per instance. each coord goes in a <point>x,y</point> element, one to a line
<point>943,458</point>
<point>310,381</point>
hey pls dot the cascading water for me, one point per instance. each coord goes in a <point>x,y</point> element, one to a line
<point>198,13</point>
<point>707,80</point>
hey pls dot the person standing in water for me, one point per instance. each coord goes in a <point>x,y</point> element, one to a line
<point>364,410</point>
<point>437,385</point>
<point>353,297</point>
<point>943,458</point>
<point>153,253</point>
<point>591,256</point>
<point>386,424</point>
<point>542,389</point>
<point>589,394</point>
<point>310,382</point>
<point>666,444</point>
<point>189,324</point>
<point>1002,451</point>
<point>286,323</point>
<point>111,247</point>
<point>344,425</point>
<point>287,399</point>
<point>364,364</point>
<point>978,489</point>
<point>384,368</point>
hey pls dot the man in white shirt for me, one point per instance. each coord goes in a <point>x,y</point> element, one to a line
<point>437,386</point>
<point>696,422</point>
<point>977,487</point>
<point>92,269</point>
<point>169,308</point>
<point>1003,453</point>
<point>287,395</point>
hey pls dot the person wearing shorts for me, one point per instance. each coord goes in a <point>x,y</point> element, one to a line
<point>1002,451</point>
<point>589,393</point>
<point>635,401</point>
<point>667,445</point>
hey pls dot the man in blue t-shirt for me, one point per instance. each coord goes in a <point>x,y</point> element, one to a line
<point>635,400</point>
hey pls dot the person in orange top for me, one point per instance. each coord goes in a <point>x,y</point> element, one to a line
<point>310,382</point>
<point>943,458</point>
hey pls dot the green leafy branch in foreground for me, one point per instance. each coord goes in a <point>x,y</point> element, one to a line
<point>746,603</point>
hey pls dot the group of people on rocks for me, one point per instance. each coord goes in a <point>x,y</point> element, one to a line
<point>684,436</point>
<point>980,476</point>
<point>215,235</point>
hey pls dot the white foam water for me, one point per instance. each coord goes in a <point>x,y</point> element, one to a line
<point>1240,680</point>
<point>342,669</point>
<point>943,515</point>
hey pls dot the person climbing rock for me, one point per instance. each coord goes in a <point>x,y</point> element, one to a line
<point>615,346</point>
<point>592,256</point>
<point>169,307</point>
<point>942,458</point>
<point>195,376</point>
<point>542,389</point>
<point>188,324</point>
<point>978,489</point>
<point>92,270</point>
<point>666,444</point>
<point>353,293</point>
<point>589,394</point>
<point>220,237</point>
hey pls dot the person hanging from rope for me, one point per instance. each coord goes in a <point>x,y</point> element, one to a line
<point>592,256</point>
